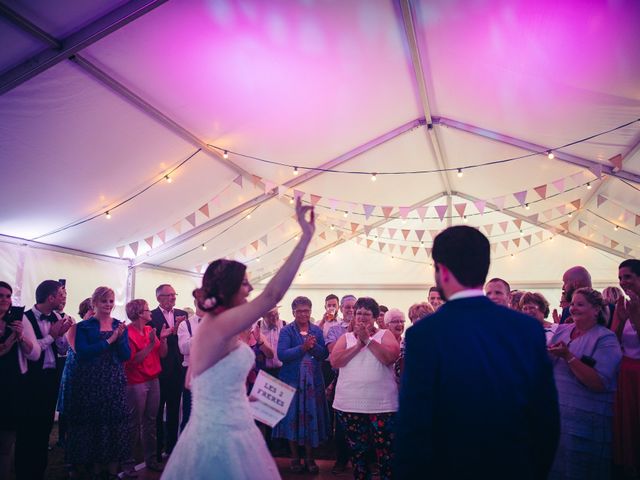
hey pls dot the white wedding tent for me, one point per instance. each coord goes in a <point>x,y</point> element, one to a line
<point>140,140</point>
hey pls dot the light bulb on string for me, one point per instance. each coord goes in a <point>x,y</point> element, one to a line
<point>225,155</point>
<point>258,259</point>
<point>373,177</point>
<point>526,206</point>
<point>570,214</point>
<point>204,247</point>
<point>108,215</point>
<point>465,219</point>
<point>550,155</point>
<point>291,201</point>
<point>249,216</point>
<point>513,256</point>
<point>616,228</point>
<point>588,185</point>
<point>521,233</point>
<point>460,173</point>
<point>168,178</point>
<point>333,227</point>
<point>345,214</point>
<point>295,170</point>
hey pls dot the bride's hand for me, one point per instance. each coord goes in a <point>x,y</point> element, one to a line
<point>307,226</point>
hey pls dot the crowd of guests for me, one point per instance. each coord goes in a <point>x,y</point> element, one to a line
<point>122,388</point>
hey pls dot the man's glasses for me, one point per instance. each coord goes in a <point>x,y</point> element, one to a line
<point>168,295</point>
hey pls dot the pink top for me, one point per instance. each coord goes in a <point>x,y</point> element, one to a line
<point>630,341</point>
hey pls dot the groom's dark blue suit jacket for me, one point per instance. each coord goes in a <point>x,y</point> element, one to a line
<point>477,398</point>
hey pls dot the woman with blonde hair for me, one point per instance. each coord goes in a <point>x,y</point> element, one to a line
<point>419,310</point>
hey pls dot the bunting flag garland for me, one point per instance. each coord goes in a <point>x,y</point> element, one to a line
<point>368,210</point>
<point>460,208</point>
<point>134,247</point>
<point>541,191</point>
<point>120,250</point>
<point>386,211</point>
<point>559,185</point>
<point>149,241</point>
<point>521,197</point>
<point>441,210</point>
<point>204,209</point>
<point>480,206</point>
<point>191,218</point>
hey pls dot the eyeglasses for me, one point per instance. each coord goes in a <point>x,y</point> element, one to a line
<point>168,295</point>
<point>394,321</point>
<point>529,307</point>
<point>302,312</point>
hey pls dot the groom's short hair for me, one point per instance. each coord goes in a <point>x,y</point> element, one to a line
<point>465,251</point>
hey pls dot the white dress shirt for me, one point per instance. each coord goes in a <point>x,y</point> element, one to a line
<point>34,355</point>
<point>184,337</point>
<point>46,340</point>
<point>168,316</point>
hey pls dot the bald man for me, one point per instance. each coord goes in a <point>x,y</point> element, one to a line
<point>573,279</point>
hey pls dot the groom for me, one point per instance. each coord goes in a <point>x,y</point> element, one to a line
<point>478,398</point>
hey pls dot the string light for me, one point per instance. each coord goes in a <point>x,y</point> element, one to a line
<point>513,256</point>
<point>521,233</point>
<point>373,177</point>
<point>333,227</point>
<point>291,201</point>
<point>345,214</point>
<point>249,216</point>
<point>616,228</point>
<point>258,259</point>
<point>225,154</point>
<point>204,247</point>
<point>296,238</point>
<point>108,215</point>
<point>570,214</point>
<point>526,206</point>
<point>465,219</point>
<point>295,170</point>
<point>585,245</point>
<point>460,173</point>
<point>588,185</point>
<point>550,155</point>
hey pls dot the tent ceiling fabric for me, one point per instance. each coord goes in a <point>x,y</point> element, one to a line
<point>302,83</point>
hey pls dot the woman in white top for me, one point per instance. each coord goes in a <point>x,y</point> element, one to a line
<point>626,417</point>
<point>366,396</point>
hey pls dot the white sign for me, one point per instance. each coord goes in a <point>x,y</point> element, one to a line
<point>270,399</point>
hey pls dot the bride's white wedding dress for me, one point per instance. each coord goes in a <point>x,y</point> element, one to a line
<point>221,440</point>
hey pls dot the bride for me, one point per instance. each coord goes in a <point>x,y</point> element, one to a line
<point>221,439</point>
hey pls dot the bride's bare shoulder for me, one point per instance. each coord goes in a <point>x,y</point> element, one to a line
<point>208,349</point>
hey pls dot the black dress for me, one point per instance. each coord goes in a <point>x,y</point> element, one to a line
<point>11,386</point>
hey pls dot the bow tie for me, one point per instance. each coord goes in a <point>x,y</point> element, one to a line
<point>48,318</point>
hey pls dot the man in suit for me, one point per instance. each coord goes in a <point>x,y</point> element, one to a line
<point>172,375</point>
<point>41,382</point>
<point>478,398</point>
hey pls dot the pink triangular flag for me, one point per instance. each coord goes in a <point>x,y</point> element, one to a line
<point>565,226</point>
<point>268,186</point>
<point>369,242</point>
<point>581,224</point>
<point>434,233</point>
<point>499,201</point>
<point>600,200</point>
<point>368,210</point>
<point>616,162</point>
<point>392,232</point>
<point>403,248</point>
<point>505,244</point>
<point>559,184</point>
<point>315,199</point>
<point>191,218</point>
<point>238,180</point>
<point>381,245</point>
<point>323,235</point>
<point>380,232</point>
<point>596,170</point>
<point>576,204</point>
<point>392,247</point>
<point>562,209</point>
<point>422,212</point>
<point>441,210</point>
<point>480,205</point>
<point>367,230</point>
<point>134,247</point>
<point>405,233</point>
<point>162,235</point>
<point>359,240</point>
<point>255,245</point>
<point>546,214</point>
<point>540,234</point>
<point>541,191</point>
<point>264,240</point>
<point>488,229</point>
<point>627,250</point>
<point>516,241</point>
<point>614,244</point>
<point>256,180</point>
<point>518,223</point>
<point>354,227</point>
<point>339,233</point>
<point>494,247</point>
<point>120,250</point>
<point>297,194</point>
<point>521,197</point>
<point>527,238</point>
<point>533,218</point>
<point>637,220</point>
<point>577,178</point>
<point>503,226</point>
<point>149,241</point>
<point>415,250</point>
<point>419,234</point>
<point>460,208</point>
<point>243,251</point>
<point>386,211</point>
<point>178,227</point>
<point>204,209</point>
<point>404,211</point>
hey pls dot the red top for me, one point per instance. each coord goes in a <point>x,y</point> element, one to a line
<point>150,367</point>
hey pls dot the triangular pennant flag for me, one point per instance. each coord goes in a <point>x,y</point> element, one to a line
<point>268,186</point>
<point>559,184</point>
<point>243,251</point>
<point>405,233</point>
<point>581,224</point>
<point>434,233</point>
<point>562,209</point>
<point>204,209</point>
<point>516,241</point>
<point>386,211</point>
<point>333,203</point>
<point>178,227</point>
<point>596,170</point>
<point>359,240</point>
<point>600,200</point>
<point>367,230</point>
<point>297,194</point>
<point>540,235</point>
<point>527,238</point>
<point>134,247</point>
<point>428,250</point>
<point>255,245</point>
<point>404,211</point>
<point>315,199</point>
<point>191,218</point>
<point>419,234</point>
<point>541,191</point>
<point>403,248</point>
<point>323,235</point>
<point>627,215</point>
<point>460,208</point>
<point>149,241</point>
<point>499,201</point>
<point>256,180</point>
<point>533,218</point>
<point>576,204</point>
<point>518,223</point>
<point>422,212</point>
<point>480,205</point>
<point>565,226</point>
<point>368,210</point>
<point>162,235</point>
<point>369,242</point>
<point>120,250</point>
<point>215,201</point>
<point>637,220</point>
<point>392,232</point>
<point>264,240</point>
<point>488,229</point>
<point>441,210</point>
<point>503,226</point>
<point>238,180</point>
<point>415,250</point>
<point>354,227</point>
<point>578,178</point>
<point>616,162</point>
<point>614,244</point>
<point>627,250</point>
<point>339,233</point>
<point>392,247</point>
<point>505,244</point>
<point>521,197</point>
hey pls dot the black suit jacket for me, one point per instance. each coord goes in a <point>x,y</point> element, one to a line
<point>172,363</point>
<point>478,397</point>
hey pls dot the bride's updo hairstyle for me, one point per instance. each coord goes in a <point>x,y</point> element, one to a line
<point>221,281</point>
